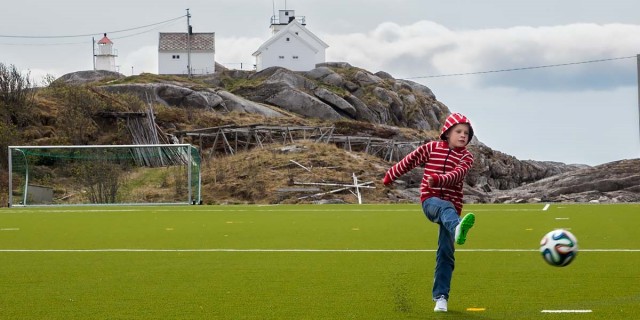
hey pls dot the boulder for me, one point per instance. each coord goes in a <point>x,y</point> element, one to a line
<point>335,101</point>
<point>291,79</point>
<point>363,79</point>
<point>168,94</point>
<point>299,102</point>
<point>340,65</point>
<point>88,76</point>
<point>319,73</point>
<point>363,112</point>
<point>231,102</point>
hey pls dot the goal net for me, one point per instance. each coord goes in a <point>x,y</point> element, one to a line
<point>104,174</point>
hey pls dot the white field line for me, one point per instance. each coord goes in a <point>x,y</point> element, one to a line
<point>546,207</point>
<point>295,250</point>
<point>566,311</point>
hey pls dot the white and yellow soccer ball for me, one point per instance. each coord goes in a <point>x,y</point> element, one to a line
<point>559,247</point>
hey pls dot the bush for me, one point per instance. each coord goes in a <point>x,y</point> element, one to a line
<point>16,103</point>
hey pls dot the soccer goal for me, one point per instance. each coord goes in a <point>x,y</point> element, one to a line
<point>104,175</point>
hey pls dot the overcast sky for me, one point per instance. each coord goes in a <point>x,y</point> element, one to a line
<point>572,98</point>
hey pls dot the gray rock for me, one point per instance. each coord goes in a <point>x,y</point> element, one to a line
<point>352,87</point>
<point>232,102</point>
<point>417,88</point>
<point>319,73</point>
<point>303,104</point>
<point>168,94</point>
<point>391,102</point>
<point>293,80</point>
<point>364,78</point>
<point>383,75</point>
<point>341,65</point>
<point>335,80</point>
<point>363,112</point>
<point>335,101</point>
<point>88,76</point>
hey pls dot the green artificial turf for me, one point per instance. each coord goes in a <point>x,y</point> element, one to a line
<point>310,262</point>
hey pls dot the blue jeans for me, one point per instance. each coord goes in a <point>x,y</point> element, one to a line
<point>445,215</point>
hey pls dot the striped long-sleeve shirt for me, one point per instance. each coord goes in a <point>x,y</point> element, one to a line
<point>448,167</point>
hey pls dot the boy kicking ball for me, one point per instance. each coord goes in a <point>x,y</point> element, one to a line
<point>446,163</point>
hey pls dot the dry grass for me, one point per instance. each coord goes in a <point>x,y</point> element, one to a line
<point>257,175</point>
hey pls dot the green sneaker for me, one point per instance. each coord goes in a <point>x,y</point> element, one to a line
<point>463,227</point>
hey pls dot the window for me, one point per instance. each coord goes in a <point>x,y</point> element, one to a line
<point>288,39</point>
<point>175,56</point>
<point>295,57</point>
<point>281,57</point>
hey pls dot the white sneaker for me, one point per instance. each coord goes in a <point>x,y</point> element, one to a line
<point>441,304</point>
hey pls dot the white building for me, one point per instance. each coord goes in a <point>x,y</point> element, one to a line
<point>105,55</point>
<point>291,45</point>
<point>176,49</point>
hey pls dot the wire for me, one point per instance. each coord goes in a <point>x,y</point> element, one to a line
<point>168,23</point>
<point>90,34</point>
<point>516,69</point>
<point>142,32</point>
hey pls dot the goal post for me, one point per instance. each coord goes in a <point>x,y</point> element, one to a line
<point>104,175</point>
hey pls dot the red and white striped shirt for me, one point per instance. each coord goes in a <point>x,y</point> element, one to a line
<point>447,166</point>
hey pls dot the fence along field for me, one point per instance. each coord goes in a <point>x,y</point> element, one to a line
<point>310,262</point>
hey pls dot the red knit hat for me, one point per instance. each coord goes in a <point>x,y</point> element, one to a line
<point>452,120</point>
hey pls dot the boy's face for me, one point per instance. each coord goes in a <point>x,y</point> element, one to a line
<point>458,135</point>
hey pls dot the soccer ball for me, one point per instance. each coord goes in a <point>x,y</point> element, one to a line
<point>559,247</point>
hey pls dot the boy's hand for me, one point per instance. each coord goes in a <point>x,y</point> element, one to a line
<point>387,179</point>
<point>430,181</point>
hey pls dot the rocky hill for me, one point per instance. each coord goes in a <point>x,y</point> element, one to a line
<point>613,182</point>
<point>367,104</point>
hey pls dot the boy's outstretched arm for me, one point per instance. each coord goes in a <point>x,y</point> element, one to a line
<point>410,161</point>
<point>387,179</point>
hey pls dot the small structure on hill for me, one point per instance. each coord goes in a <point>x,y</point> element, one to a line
<point>291,46</point>
<point>175,49</point>
<point>104,55</point>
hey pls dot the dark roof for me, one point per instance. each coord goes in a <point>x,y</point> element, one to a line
<point>172,41</point>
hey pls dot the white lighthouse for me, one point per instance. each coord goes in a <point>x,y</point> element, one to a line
<point>105,55</point>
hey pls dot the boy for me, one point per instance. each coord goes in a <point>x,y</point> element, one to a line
<point>446,163</point>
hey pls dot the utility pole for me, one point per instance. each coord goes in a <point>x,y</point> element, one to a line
<point>93,56</point>
<point>189,32</point>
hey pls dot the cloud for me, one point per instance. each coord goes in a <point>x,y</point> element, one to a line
<point>144,59</point>
<point>426,49</point>
<point>235,52</point>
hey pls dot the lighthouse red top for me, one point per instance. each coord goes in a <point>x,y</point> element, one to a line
<point>105,40</point>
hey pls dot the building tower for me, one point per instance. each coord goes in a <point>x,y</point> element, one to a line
<point>105,55</point>
<point>283,19</point>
